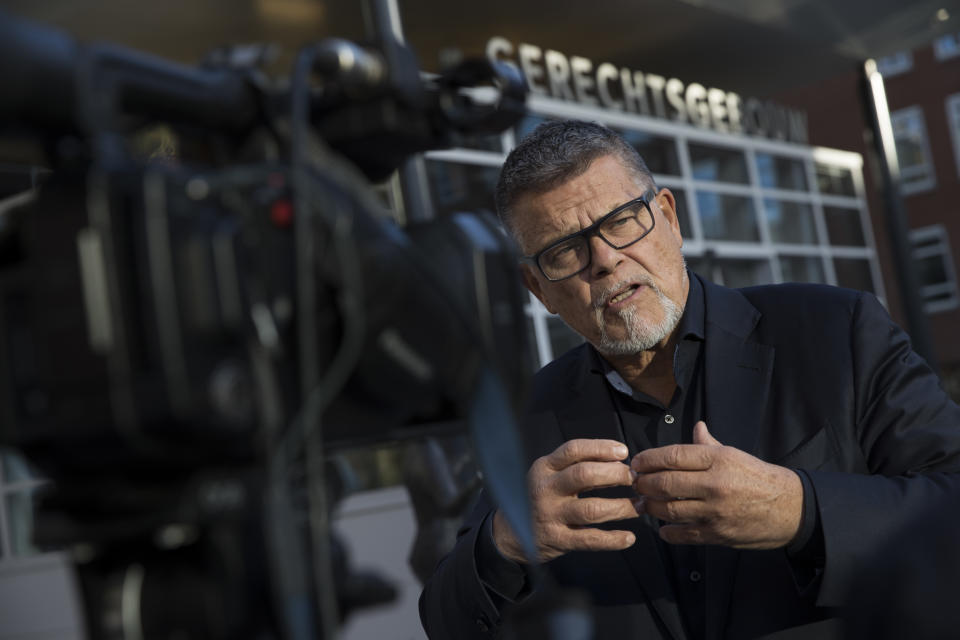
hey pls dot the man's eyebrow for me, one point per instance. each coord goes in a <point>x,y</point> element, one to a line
<point>557,238</point>
<point>564,236</point>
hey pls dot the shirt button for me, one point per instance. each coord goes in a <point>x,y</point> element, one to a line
<point>695,576</point>
<point>669,418</point>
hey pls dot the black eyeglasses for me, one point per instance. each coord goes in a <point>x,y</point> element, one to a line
<point>626,225</point>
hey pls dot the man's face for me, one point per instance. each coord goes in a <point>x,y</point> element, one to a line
<point>627,300</point>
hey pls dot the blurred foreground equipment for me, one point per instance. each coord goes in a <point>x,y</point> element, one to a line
<point>185,334</point>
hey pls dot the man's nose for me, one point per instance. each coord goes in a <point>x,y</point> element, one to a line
<point>603,258</point>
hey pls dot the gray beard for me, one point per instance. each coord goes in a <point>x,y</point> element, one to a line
<point>640,336</point>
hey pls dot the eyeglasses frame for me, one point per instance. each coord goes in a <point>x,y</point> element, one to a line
<point>594,230</point>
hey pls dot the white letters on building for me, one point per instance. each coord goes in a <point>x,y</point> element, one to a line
<point>577,79</point>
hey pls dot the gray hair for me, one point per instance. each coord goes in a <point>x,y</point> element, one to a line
<point>556,151</point>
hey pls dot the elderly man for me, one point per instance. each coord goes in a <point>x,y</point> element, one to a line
<point>711,463</point>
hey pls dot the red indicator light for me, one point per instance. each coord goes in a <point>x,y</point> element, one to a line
<point>281,213</point>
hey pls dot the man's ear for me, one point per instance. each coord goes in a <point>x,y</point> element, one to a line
<point>534,285</point>
<point>668,205</point>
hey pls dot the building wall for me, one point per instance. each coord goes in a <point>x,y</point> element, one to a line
<point>928,85</point>
<point>38,600</point>
<point>838,118</point>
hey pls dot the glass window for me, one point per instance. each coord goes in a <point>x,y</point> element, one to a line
<point>744,272</point>
<point>913,149</point>
<point>562,337</point>
<point>532,341</point>
<point>854,273</point>
<point>726,217</point>
<point>947,46</point>
<point>368,468</point>
<point>778,172</point>
<point>953,118</point>
<point>705,265</point>
<point>731,272</point>
<point>895,64</point>
<point>457,186</point>
<point>938,281</point>
<point>718,163</point>
<point>802,268</point>
<point>835,181</point>
<point>659,152</point>
<point>931,270</point>
<point>529,122</point>
<point>844,227</point>
<point>683,213</point>
<point>698,264</point>
<point>481,142</point>
<point>790,222</point>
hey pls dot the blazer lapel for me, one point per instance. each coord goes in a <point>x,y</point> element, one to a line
<point>589,413</point>
<point>737,371</point>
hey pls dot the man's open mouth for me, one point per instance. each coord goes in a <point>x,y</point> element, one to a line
<point>623,295</point>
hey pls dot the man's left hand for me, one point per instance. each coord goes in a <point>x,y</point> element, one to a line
<point>713,494</point>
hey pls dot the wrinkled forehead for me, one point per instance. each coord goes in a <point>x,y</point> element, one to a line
<point>541,217</point>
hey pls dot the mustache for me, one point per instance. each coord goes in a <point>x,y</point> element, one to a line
<point>599,298</point>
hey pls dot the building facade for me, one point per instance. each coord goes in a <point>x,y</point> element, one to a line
<point>923,94</point>
<point>757,204</point>
<point>764,195</point>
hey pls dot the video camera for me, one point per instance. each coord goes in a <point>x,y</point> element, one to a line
<point>185,335</point>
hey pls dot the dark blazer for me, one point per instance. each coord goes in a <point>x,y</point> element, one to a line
<point>805,376</point>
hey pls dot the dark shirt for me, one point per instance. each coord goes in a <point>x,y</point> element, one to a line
<point>647,423</point>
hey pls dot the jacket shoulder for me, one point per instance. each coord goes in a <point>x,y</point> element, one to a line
<point>794,303</point>
<point>560,373</point>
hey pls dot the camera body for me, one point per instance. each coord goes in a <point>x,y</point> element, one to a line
<point>184,337</point>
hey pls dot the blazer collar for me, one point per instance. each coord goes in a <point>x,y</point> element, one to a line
<point>737,368</point>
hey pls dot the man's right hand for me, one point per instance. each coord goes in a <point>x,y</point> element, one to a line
<point>561,519</point>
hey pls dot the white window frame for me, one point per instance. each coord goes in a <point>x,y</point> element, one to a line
<point>23,486</point>
<point>909,184</point>
<point>696,245</point>
<point>940,246</point>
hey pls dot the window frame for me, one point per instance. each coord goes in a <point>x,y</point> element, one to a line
<point>940,246</point>
<point>695,245</point>
<point>929,181</point>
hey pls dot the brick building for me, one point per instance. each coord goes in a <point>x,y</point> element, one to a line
<point>923,94</point>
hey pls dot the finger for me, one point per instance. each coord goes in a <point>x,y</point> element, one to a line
<point>581,449</point>
<point>676,511</point>
<point>590,539</point>
<point>684,457</point>
<point>585,476</point>
<point>685,534</point>
<point>597,510</point>
<point>702,436</point>
<point>670,485</point>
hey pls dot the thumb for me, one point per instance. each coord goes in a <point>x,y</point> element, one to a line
<point>702,436</point>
